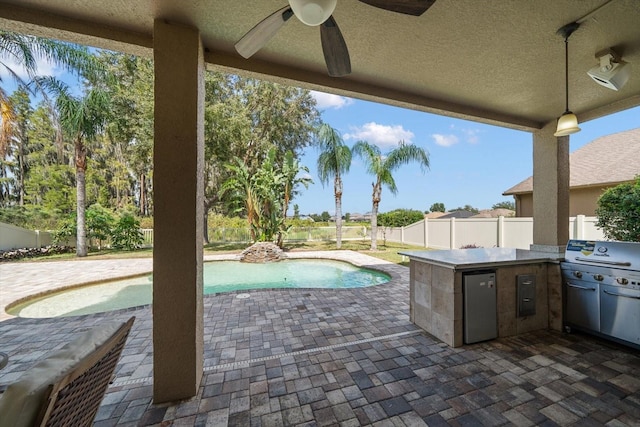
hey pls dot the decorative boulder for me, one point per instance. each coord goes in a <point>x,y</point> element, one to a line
<point>262,252</point>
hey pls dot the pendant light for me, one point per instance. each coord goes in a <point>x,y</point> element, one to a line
<point>313,12</point>
<point>568,122</point>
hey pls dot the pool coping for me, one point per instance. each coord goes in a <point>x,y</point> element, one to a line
<point>26,280</point>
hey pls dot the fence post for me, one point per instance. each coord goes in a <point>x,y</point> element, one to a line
<point>38,241</point>
<point>452,233</point>
<point>501,231</point>
<point>426,233</point>
<point>579,226</point>
<point>401,234</point>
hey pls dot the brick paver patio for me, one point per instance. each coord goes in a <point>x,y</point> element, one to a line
<point>340,357</point>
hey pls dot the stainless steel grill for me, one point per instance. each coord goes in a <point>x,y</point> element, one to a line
<point>601,285</point>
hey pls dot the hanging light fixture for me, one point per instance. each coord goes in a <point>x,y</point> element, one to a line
<point>313,12</point>
<point>568,122</point>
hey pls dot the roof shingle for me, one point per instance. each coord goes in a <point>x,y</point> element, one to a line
<point>609,159</point>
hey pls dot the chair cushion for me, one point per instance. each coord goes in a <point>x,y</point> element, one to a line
<point>22,400</point>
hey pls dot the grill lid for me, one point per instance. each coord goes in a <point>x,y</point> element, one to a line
<point>623,255</point>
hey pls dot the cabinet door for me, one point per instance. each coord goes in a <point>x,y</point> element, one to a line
<point>480,307</point>
<point>620,313</point>
<point>583,305</point>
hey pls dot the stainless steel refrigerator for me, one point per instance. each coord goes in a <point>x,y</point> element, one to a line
<point>480,306</point>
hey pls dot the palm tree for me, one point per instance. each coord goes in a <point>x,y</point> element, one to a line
<point>382,167</point>
<point>24,51</point>
<point>334,160</point>
<point>83,119</point>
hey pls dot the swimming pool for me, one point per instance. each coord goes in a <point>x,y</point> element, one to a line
<point>219,276</point>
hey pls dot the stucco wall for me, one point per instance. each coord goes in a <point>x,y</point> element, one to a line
<point>582,201</point>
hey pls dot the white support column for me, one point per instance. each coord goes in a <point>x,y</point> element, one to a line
<point>178,212</point>
<point>550,190</point>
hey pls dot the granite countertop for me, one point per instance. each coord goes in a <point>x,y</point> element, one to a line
<point>481,257</point>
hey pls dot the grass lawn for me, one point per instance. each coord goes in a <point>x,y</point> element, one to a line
<point>388,251</point>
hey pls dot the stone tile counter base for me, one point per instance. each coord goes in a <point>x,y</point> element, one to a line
<point>437,297</point>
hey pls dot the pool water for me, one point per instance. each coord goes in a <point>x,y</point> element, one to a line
<point>219,276</point>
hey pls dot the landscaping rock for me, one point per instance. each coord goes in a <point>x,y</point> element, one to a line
<point>14,254</point>
<point>262,252</point>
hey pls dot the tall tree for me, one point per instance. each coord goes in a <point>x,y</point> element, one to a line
<point>245,119</point>
<point>382,167</point>
<point>437,207</point>
<point>23,111</point>
<point>333,162</point>
<point>50,182</point>
<point>82,118</point>
<point>16,124</point>
<point>129,131</point>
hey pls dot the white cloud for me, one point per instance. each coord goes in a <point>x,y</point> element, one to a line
<point>328,100</point>
<point>472,135</point>
<point>381,135</point>
<point>43,67</point>
<point>445,140</point>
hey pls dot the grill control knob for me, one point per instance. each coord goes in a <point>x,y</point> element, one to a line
<point>598,277</point>
<point>578,274</point>
<point>622,281</point>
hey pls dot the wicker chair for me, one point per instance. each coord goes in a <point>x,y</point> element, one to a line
<point>75,394</point>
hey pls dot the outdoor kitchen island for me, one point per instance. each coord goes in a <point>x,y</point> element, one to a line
<point>436,290</point>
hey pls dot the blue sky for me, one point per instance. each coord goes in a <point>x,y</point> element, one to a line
<point>471,163</point>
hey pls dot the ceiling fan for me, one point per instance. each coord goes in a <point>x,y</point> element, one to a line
<point>319,13</point>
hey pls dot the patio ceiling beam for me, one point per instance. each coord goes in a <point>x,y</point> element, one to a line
<point>38,23</point>
<point>356,89</point>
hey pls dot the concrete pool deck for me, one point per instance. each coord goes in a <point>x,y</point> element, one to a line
<point>338,357</point>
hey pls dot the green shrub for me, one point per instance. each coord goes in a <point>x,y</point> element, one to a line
<point>99,223</point>
<point>126,234</point>
<point>618,212</point>
<point>400,218</point>
<point>66,230</point>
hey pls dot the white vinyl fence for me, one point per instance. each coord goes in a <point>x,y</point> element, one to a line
<point>12,237</point>
<point>505,232</point>
<point>432,233</point>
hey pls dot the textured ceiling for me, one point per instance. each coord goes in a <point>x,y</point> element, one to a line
<point>497,61</point>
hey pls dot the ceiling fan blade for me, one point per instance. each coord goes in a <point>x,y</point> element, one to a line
<point>259,35</point>
<point>408,7</point>
<point>336,54</point>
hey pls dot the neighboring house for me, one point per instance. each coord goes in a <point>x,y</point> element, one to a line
<point>434,215</point>
<point>494,213</point>
<point>457,214</point>
<point>603,163</point>
<point>358,217</point>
